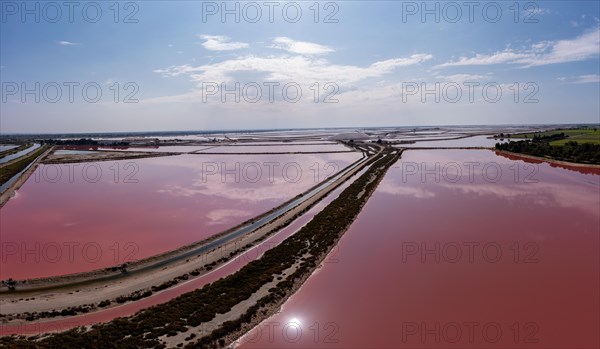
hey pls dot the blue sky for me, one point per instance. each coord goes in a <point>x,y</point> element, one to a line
<point>372,61</point>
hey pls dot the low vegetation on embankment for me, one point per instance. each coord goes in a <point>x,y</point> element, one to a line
<point>305,248</point>
<point>9,170</point>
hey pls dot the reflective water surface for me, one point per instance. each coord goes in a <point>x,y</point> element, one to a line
<point>283,148</point>
<point>18,154</point>
<point>222,271</point>
<point>71,218</point>
<point>504,255</point>
<point>4,147</point>
<point>474,141</point>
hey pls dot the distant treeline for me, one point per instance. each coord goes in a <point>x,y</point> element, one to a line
<point>536,137</point>
<point>81,141</point>
<point>539,146</point>
<point>549,138</point>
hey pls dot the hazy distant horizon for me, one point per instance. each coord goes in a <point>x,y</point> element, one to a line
<point>258,130</point>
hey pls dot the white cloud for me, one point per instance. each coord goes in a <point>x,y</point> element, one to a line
<point>506,56</point>
<point>459,78</point>
<point>586,79</point>
<point>67,43</point>
<point>221,43</point>
<point>581,48</point>
<point>581,79</point>
<point>541,46</point>
<point>176,70</point>
<point>300,47</point>
<point>532,13</point>
<point>300,69</point>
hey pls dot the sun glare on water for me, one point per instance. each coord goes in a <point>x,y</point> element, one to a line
<point>294,322</point>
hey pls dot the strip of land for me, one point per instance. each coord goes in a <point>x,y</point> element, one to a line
<point>285,210</point>
<point>101,156</point>
<point>290,263</point>
<point>84,292</point>
<point>201,152</point>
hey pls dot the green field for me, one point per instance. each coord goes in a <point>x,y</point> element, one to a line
<point>581,135</point>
